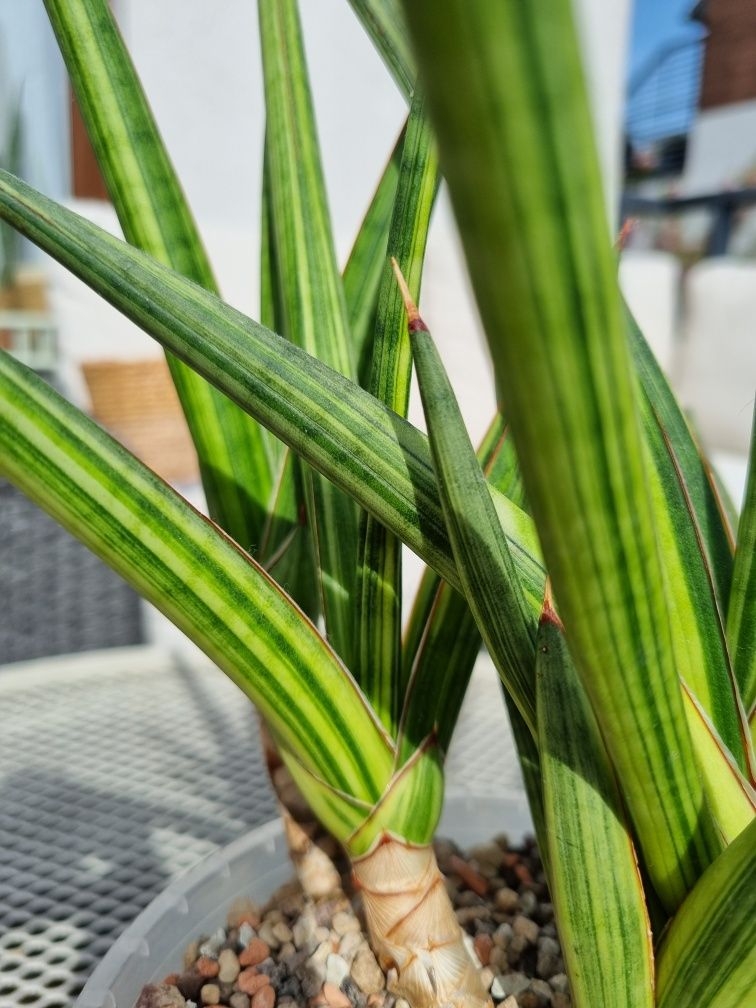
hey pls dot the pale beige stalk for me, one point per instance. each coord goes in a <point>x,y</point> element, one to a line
<point>413,929</point>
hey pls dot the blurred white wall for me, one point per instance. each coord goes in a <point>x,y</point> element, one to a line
<point>201,68</point>
<point>719,366</point>
<point>721,148</point>
<point>650,281</point>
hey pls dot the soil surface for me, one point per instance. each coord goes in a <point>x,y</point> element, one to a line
<point>293,953</point>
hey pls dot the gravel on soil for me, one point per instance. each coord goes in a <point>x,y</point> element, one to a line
<point>294,953</point>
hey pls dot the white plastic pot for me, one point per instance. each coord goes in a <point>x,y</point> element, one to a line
<point>253,866</point>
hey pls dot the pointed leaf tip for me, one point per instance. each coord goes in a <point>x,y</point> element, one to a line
<point>414,322</point>
<point>548,612</point>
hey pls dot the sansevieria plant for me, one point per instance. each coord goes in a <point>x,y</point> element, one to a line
<point>589,548</point>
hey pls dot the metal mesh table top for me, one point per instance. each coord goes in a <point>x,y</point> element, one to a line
<point>121,769</point>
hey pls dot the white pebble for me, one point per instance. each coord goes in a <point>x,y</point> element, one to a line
<point>336,969</point>
<point>246,934</point>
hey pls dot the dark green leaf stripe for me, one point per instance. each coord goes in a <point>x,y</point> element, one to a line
<point>741,614</point>
<point>506,91</point>
<point>708,956</point>
<point>312,298</point>
<point>362,274</point>
<point>378,652</point>
<point>384,23</point>
<point>338,428</point>
<point>196,576</point>
<point>232,449</point>
<point>593,872</point>
<point>485,565</point>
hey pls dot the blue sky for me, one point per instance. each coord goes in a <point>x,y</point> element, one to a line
<point>656,22</point>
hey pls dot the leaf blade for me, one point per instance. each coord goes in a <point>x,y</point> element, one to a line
<point>708,956</point>
<point>312,297</point>
<point>593,872</point>
<point>232,449</point>
<point>338,428</point>
<point>196,575</point>
<point>378,651</point>
<point>505,85</point>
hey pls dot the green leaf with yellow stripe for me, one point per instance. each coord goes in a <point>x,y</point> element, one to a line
<point>594,879</point>
<point>311,294</point>
<point>198,577</point>
<point>486,568</point>
<point>506,92</point>
<point>233,451</point>
<point>708,955</point>
<point>341,430</point>
<point>741,614</point>
<point>378,653</point>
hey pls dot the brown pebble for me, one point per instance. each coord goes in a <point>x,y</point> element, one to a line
<point>189,983</point>
<point>254,953</point>
<point>264,998</point>
<point>483,945</point>
<point>523,874</point>
<point>160,996</point>
<point>472,879</point>
<point>525,928</point>
<point>335,997</point>
<point>506,899</point>
<point>207,967</point>
<point>560,1000</point>
<point>171,980</point>
<point>250,981</point>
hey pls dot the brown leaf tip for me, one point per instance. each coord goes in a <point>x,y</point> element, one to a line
<point>549,613</point>
<point>414,322</point>
<point>626,230</point>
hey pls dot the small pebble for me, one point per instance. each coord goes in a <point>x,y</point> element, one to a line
<point>250,981</point>
<point>343,923</point>
<point>366,972</point>
<point>335,997</point>
<point>560,983</point>
<point>560,1000</point>
<point>210,994</point>
<point>264,998</point>
<point>190,983</point>
<point>160,996</point>
<point>483,944</point>
<point>349,945</point>
<point>239,1000</point>
<point>526,928</point>
<point>212,945</point>
<point>510,1002</point>
<point>228,966</point>
<point>254,953</point>
<point>506,899</point>
<point>486,977</point>
<point>282,931</point>
<point>336,969</point>
<point>509,983</point>
<point>246,934</point>
<point>267,933</point>
<point>207,967</point>
<point>528,902</point>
